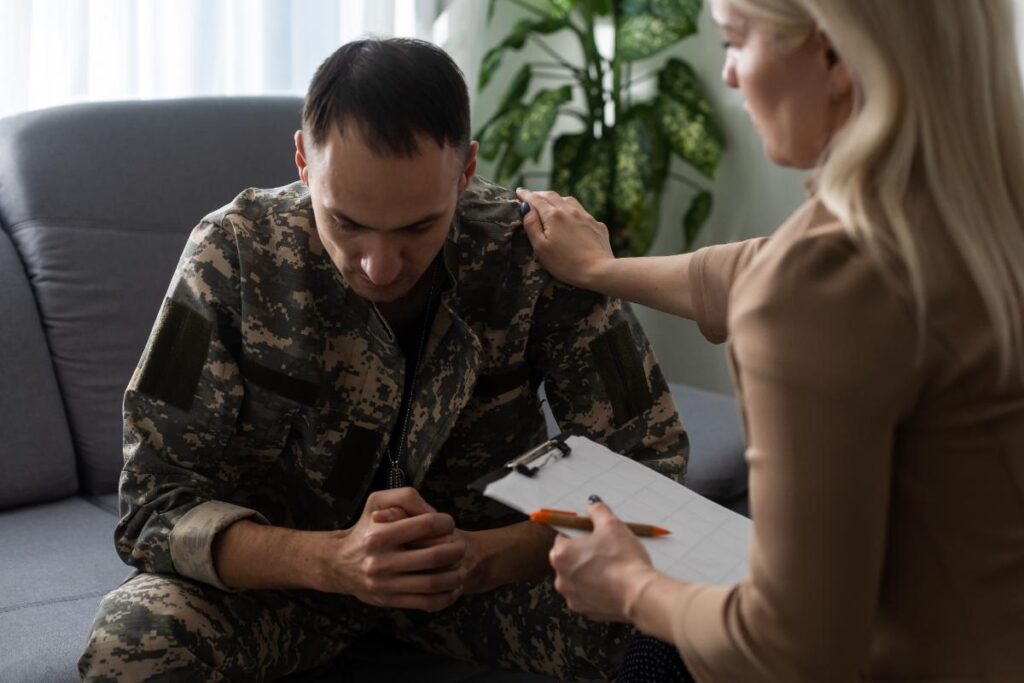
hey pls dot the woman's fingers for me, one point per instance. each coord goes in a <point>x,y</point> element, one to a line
<point>570,243</point>
<point>601,515</point>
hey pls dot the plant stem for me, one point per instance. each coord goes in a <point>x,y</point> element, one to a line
<point>616,67</point>
<point>548,65</point>
<point>582,116</point>
<point>555,76</point>
<point>630,82</point>
<point>530,8</point>
<point>558,58</point>
<point>685,180</point>
<point>596,95</point>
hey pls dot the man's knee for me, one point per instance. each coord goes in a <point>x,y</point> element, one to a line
<point>524,626</point>
<point>154,626</point>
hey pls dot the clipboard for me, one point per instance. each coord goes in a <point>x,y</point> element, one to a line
<point>708,543</point>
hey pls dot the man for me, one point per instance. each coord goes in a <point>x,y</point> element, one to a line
<point>335,361</point>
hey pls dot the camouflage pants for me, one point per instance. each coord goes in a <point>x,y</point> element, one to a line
<point>168,628</point>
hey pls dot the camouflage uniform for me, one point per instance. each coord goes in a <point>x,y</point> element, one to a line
<point>268,391</point>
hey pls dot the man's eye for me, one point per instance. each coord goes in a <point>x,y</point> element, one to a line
<point>726,45</point>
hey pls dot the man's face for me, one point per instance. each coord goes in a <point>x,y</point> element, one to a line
<point>382,219</point>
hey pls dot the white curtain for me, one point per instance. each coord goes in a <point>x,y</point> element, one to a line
<point>59,51</point>
<point>1019,7</point>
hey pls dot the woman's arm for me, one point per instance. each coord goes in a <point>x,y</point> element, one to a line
<point>574,247</point>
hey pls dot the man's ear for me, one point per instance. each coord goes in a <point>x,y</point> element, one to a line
<point>840,85</point>
<point>469,170</point>
<point>301,159</point>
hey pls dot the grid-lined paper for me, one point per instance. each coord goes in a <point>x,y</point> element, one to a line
<point>708,543</point>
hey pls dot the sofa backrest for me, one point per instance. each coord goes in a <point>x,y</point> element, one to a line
<point>98,200</point>
<point>36,456</point>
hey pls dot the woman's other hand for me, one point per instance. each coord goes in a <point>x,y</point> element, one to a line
<point>570,243</point>
<point>602,574</point>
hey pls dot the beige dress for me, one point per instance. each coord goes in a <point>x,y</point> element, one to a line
<point>886,478</point>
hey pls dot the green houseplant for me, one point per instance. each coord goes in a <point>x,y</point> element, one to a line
<point>617,163</point>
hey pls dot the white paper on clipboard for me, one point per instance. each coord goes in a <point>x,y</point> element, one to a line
<point>708,543</point>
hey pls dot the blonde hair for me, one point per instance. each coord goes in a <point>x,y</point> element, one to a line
<point>939,108</point>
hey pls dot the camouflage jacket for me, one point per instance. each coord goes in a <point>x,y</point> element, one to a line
<point>268,389</point>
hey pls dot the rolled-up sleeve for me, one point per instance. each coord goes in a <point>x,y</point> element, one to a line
<point>713,270</point>
<point>180,411</point>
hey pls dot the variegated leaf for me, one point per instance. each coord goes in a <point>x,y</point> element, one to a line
<point>691,134</point>
<point>646,27</point>
<point>566,158</point>
<point>516,89</point>
<point>540,118</point>
<point>633,164</point>
<point>501,132</point>
<point>696,216</point>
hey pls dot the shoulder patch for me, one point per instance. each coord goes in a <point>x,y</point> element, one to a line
<point>175,356</point>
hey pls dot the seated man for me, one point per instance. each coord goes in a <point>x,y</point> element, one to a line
<point>334,362</point>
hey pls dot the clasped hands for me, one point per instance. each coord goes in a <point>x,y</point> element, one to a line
<point>403,553</point>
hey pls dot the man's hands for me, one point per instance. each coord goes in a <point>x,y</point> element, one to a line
<point>401,553</point>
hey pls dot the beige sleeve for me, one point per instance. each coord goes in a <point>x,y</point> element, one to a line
<point>825,356</point>
<point>713,270</point>
<point>191,539</point>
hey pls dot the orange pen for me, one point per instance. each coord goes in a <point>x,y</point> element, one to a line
<point>571,519</point>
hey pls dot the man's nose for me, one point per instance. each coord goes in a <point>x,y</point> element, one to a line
<point>381,263</point>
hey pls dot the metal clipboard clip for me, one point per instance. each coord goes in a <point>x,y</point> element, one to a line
<point>532,460</point>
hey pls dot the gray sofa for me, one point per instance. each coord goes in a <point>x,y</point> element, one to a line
<point>95,204</point>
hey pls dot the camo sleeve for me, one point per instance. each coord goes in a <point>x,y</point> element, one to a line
<point>180,410</point>
<point>602,380</point>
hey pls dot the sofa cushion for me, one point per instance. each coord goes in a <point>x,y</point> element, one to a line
<point>36,457</point>
<point>99,200</point>
<point>718,467</point>
<point>58,560</point>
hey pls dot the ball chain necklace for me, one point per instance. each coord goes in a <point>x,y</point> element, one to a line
<point>396,475</point>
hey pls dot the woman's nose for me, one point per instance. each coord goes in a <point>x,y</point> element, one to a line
<point>729,73</point>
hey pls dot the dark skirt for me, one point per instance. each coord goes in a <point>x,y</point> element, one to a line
<point>649,660</point>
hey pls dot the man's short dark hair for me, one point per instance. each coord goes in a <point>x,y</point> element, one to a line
<point>393,89</point>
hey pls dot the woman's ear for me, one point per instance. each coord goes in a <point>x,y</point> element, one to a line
<point>839,83</point>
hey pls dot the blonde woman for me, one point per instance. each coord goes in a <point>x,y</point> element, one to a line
<point>876,341</point>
